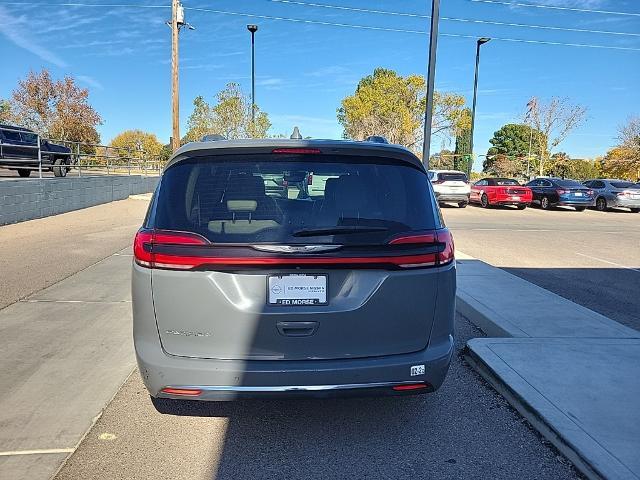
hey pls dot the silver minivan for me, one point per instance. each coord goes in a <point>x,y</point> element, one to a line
<point>293,267</point>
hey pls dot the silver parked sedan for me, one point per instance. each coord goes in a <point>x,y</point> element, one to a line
<point>339,281</point>
<point>615,193</point>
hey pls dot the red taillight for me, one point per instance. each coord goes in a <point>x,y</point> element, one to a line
<point>300,151</point>
<point>410,386</point>
<point>147,255</point>
<point>426,238</point>
<point>185,392</point>
<point>145,240</point>
<point>562,192</point>
<point>442,236</point>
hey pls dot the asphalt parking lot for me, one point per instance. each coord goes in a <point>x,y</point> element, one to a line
<point>465,430</point>
<point>591,258</point>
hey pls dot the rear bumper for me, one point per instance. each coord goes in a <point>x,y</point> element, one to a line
<point>452,197</point>
<point>589,202</point>
<point>626,203</point>
<point>232,379</point>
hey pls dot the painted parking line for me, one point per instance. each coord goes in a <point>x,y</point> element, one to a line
<point>46,451</point>
<point>607,261</point>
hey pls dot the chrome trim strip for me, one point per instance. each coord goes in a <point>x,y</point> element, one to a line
<point>296,248</point>
<point>287,388</point>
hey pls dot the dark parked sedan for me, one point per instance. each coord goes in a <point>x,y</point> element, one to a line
<point>553,192</point>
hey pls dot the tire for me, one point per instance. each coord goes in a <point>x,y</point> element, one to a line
<point>545,203</point>
<point>484,201</point>
<point>24,173</point>
<point>463,204</point>
<point>521,207</point>
<point>580,209</point>
<point>635,210</point>
<point>59,170</point>
<point>601,204</point>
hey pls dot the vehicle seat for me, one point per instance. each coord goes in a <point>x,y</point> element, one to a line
<point>245,207</point>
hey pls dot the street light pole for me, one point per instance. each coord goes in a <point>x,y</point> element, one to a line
<point>480,42</point>
<point>431,73</point>
<point>253,29</point>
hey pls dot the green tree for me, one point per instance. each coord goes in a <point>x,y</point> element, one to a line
<point>230,117</point>
<point>510,146</point>
<point>56,109</point>
<point>559,165</point>
<point>391,105</point>
<point>463,142</point>
<point>443,160</point>
<point>135,142</point>
<point>5,111</point>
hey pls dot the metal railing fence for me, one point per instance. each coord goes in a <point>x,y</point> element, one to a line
<point>84,159</point>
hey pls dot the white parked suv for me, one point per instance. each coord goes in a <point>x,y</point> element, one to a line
<point>450,186</point>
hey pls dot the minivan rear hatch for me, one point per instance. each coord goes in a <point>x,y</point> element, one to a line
<point>293,256</point>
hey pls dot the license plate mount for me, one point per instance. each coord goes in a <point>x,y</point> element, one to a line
<point>292,290</point>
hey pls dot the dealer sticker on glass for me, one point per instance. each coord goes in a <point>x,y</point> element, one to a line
<point>293,290</point>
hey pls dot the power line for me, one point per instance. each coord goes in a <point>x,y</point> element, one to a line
<point>79,4</point>
<point>336,24</point>
<point>452,19</point>
<point>553,7</point>
<point>399,30</point>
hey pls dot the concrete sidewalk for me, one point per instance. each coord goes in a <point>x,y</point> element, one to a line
<point>571,372</point>
<point>65,351</point>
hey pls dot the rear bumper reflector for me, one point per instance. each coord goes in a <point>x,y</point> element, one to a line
<point>411,386</point>
<point>184,392</point>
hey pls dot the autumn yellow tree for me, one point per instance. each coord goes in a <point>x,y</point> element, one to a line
<point>136,143</point>
<point>623,161</point>
<point>393,106</point>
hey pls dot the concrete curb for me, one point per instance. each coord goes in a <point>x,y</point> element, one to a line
<point>556,423</point>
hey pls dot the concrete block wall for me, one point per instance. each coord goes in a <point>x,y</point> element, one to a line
<point>26,199</point>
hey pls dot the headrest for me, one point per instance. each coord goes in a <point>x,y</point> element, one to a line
<point>351,196</point>
<point>245,187</point>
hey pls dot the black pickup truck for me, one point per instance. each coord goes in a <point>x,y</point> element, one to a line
<point>19,151</point>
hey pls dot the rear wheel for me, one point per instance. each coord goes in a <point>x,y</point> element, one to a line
<point>484,201</point>
<point>601,204</point>
<point>545,203</point>
<point>60,170</point>
<point>24,172</point>
<point>521,207</point>
<point>580,209</point>
<point>463,204</point>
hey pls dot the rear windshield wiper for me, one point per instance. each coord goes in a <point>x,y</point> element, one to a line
<point>339,230</point>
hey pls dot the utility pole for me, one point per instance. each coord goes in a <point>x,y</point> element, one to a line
<point>531,105</point>
<point>175,86</point>
<point>176,23</point>
<point>428,114</point>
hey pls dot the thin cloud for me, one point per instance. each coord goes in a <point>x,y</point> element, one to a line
<point>10,28</point>
<point>92,82</point>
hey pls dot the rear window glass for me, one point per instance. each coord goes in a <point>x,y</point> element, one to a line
<point>258,198</point>
<point>624,185</point>
<point>452,177</point>
<point>569,183</point>
<point>506,181</point>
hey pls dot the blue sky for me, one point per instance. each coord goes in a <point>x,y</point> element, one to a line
<point>304,69</point>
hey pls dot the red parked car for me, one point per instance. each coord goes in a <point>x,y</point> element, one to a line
<point>500,191</point>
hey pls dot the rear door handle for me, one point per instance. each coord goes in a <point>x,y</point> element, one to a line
<point>297,329</point>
